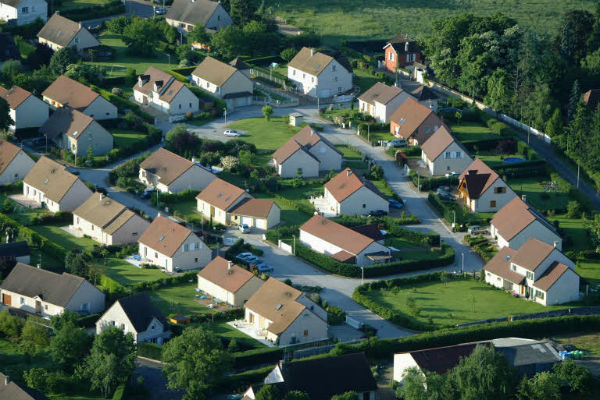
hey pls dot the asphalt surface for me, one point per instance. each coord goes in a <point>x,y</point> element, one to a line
<point>154,380</point>
<point>138,8</point>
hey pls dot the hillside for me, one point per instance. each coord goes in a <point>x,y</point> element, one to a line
<point>360,19</point>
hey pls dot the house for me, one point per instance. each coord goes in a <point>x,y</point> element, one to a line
<point>15,164</point>
<point>60,32</point>
<point>307,154</point>
<point>185,14</point>
<point>23,12</point>
<point>76,132</point>
<point>172,246</point>
<point>284,315</point>
<point>8,47</point>
<point>482,190</point>
<point>227,282</point>
<point>11,391</point>
<point>26,110</point>
<point>443,154</point>
<point>162,91</point>
<point>349,194</point>
<point>66,92</point>
<point>50,185</point>
<point>414,122</point>
<point>224,81</point>
<point>107,221</point>
<point>341,243</point>
<point>15,252</point>
<point>217,200</point>
<point>426,96</point>
<point>171,173</point>
<point>517,222</point>
<point>528,356</point>
<point>537,271</point>
<point>256,213</point>
<point>318,74</point>
<point>137,315</point>
<point>400,52</point>
<point>324,378</point>
<point>241,66</point>
<point>47,293</point>
<point>381,100</point>
<point>592,98</point>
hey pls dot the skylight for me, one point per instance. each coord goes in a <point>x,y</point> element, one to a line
<point>161,238</point>
<point>278,307</point>
<point>75,133</point>
<point>46,181</point>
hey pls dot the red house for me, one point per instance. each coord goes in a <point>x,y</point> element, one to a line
<point>400,52</point>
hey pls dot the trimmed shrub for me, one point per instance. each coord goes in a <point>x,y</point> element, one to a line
<point>149,350</point>
<point>428,183</point>
<point>114,7</point>
<point>263,355</point>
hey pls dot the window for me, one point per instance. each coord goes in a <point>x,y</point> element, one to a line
<point>514,267</point>
<point>335,78</point>
<point>293,72</point>
<point>427,129</point>
<point>333,69</point>
<point>306,332</point>
<point>180,106</point>
<point>410,57</point>
<point>364,205</point>
<point>391,56</point>
<point>22,300</point>
<point>77,220</point>
<point>447,155</point>
<point>134,233</point>
<point>339,89</point>
<point>493,203</point>
<point>186,247</point>
<point>501,189</point>
<point>92,227</point>
<point>458,154</point>
<point>196,259</point>
<point>25,10</point>
<point>190,105</point>
<point>76,40</point>
<point>529,275</point>
<point>299,171</point>
<point>447,168</point>
<point>540,294</point>
<point>303,76</point>
<point>46,307</point>
<point>155,255</point>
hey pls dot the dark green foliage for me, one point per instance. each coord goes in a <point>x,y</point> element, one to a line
<point>5,119</point>
<point>141,36</point>
<point>113,7</point>
<point>346,396</point>
<point>577,377</point>
<point>61,59</point>
<point>69,345</point>
<point>10,326</point>
<point>268,392</point>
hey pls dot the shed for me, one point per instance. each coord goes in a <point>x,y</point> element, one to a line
<point>296,119</point>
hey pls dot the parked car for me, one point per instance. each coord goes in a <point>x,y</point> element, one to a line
<point>263,267</point>
<point>396,143</point>
<point>475,230</point>
<point>244,255</point>
<point>146,194</point>
<point>396,203</point>
<point>451,174</point>
<point>377,213</point>
<point>244,228</point>
<point>232,133</point>
<point>160,11</point>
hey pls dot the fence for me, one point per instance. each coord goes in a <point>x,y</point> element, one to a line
<point>271,76</point>
<point>285,247</point>
<point>591,310</point>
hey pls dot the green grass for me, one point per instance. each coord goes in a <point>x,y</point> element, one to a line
<point>179,299</point>
<point>64,239</point>
<point>588,342</point>
<point>349,153</point>
<point>75,4</point>
<point>266,135</point>
<point>537,194</point>
<point>590,271</point>
<point>127,138</point>
<point>455,302</point>
<point>364,79</point>
<point>356,164</point>
<point>335,20</point>
<point>383,188</point>
<point>472,131</point>
<point>128,274</point>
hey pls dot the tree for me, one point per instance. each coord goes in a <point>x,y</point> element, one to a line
<point>267,112</point>
<point>40,56</point>
<point>574,209</point>
<point>574,99</point>
<point>131,76</point>
<point>86,73</point>
<point>198,34</point>
<point>242,11</point>
<point>172,134</point>
<point>194,361</point>
<point>69,345</point>
<point>77,263</point>
<point>10,326</point>
<point>345,396</point>
<point>578,378</point>
<point>111,360</point>
<point>60,320</point>
<point>61,59</point>
<point>36,378</point>
<point>229,42</point>
<point>413,387</point>
<point>117,25</point>
<point>268,392</point>
<point>141,36</point>
<point>542,386</point>
<point>5,119</point>
<point>10,69</point>
<point>34,337</point>
<point>554,127</point>
<point>296,395</point>
<point>288,54</point>
<point>499,92</point>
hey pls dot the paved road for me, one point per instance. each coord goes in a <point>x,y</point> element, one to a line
<point>138,8</point>
<point>154,380</point>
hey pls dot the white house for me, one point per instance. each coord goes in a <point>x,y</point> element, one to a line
<point>22,12</point>
<point>349,194</point>
<point>171,173</point>
<point>26,110</point>
<point>537,271</point>
<point>172,246</point>
<point>227,282</point>
<point>47,293</point>
<point>60,32</point>
<point>341,243</point>
<point>482,190</point>
<point>66,92</point>
<point>443,154</point>
<point>136,314</point>
<point>185,14</point>
<point>256,213</point>
<point>284,315</point>
<point>163,92</point>
<point>217,200</point>
<point>517,222</point>
<point>380,101</point>
<point>307,154</point>
<point>414,122</point>
<point>76,132</point>
<point>318,74</point>
<point>107,221</point>
<point>49,184</point>
<point>224,81</point>
<point>15,164</point>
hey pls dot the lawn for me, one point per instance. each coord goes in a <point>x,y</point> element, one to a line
<point>289,215</point>
<point>335,20</point>
<point>588,342</point>
<point>179,299</point>
<point>539,193</point>
<point>348,152</point>
<point>383,188</point>
<point>574,229</point>
<point>472,131</point>
<point>266,135</point>
<point>455,302</point>
<point>64,239</point>
<point>127,138</point>
<point>128,274</point>
<point>364,79</point>
<point>75,4</point>
<point>590,271</point>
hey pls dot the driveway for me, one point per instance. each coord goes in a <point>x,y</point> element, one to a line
<point>154,380</point>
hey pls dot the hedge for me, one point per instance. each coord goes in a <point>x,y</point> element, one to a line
<point>236,383</point>
<point>170,198</point>
<point>123,104</point>
<point>34,239</point>
<point>427,183</point>
<point>120,392</point>
<point>150,350</point>
<point>61,217</point>
<point>387,221</point>
<point>534,168</point>
<point>263,355</point>
<point>89,320</point>
<point>114,7</point>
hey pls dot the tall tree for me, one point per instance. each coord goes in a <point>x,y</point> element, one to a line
<point>34,337</point>
<point>141,36</point>
<point>574,99</point>
<point>578,378</point>
<point>576,28</point>
<point>499,91</point>
<point>5,119</point>
<point>243,11</point>
<point>554,127</point>
<point>542,386</point>
<point>69,345</point>
<point>61,59</point>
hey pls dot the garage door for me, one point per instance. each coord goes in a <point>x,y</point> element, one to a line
<point>261,223</point>
<point>6,300</point>
<point>247,221</point>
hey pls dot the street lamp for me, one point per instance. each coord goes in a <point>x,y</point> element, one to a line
<point>225,113</point>
<point>454,222</point>
<point>362,275</point>
<point>463,262</point>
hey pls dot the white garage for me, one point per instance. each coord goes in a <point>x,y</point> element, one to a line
<point>248,221</point>
<point>256,213</point>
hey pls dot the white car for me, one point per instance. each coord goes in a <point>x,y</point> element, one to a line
<point>232,133</point>
<point>244,228</point>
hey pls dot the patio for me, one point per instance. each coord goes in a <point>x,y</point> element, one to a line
<point>249,330</point>
<point>24,201</point>
<point>322,206</point>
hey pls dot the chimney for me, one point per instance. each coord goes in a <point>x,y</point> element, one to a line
<point>141,80</point>
<point>472,172</point>
<point>555,244</point>
<point>39,266</point>
<point>229,265</point>
<point>6,380</point>
<point>524,198</point>
<point>101,197</point>
<point>348,172</point>
<point>312,51</point>
<point>406,46</point>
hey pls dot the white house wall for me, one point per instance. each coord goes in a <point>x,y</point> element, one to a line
<point>402,362</point>
<point>329,159</point>
<point>442,165</point>
<point>26,303</point>
<point>32,113</point>
<point>237,83</point>
<point>185,101</point>
<point>332,80</point>
<point>96,136</point>
<point>101,109</point>
<point>361,258</point>
<point>483,203</point>
<point>34,9</point>
<point>87,294</point>
<point>565,290</point>
<point>299,161</point>
<point>307,322</point>
<point>219,19</point>
<point>362,202</point>
<point>236,299</point>
<point>197,256</point>
<point>195,178</point>
<point>18,168</point>
<point>535,230</point>
<point>129,232</point>
<point>317,244</point>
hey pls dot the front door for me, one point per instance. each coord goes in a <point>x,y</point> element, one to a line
<point>6,300</point>
<point>38,306</point>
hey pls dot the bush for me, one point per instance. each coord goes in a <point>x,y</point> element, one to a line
<point>114,7</point>
<point>149,350</point>
<point>574,209</point>
<point>335,315</point>
<point>262,355</point>
<point>427,183</point>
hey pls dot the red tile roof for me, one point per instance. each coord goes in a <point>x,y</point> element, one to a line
<point>220,194</point>
<point>258,208</point>
<point>226,274</point>
<point>500,265</point>
<point>336,234</point>
<point>410,116</point>
<point>344,184</point>
<point>551,276</point>
<point>532,254</point>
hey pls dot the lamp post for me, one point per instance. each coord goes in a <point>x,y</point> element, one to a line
<point>225,113</point>
<point>463,262</point>
<point>362,275</point>
<point>454,220</point>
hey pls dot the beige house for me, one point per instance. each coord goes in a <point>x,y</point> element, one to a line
<point>107,221</point>
<point>15,164</point>
<point>224,81</point>
<point>66,92</point>
<point>341,243</point>
<point>163,92</point>
<point>60,32</point>
<point>443,154</point>
<point>537,271</point>
<point>318,74</point>
<point>284,315</point>
<point>50,185</point>
<point>256,213</point>
<point>381,100</point>
<point>306,154</point>
<point>22,12</point>
<point>414,122</point>
<point>227,282</point>
<point>517,222</point>
<point>172,246</point>
<point>47,293</point>
<point>482,190</point>
<point>171,173</point>
<point>75,131</point>
<point>137,315</point>
<point>349,194</point>
<point>26,110</point>
<point>218,199</point>
<point>185,14</point>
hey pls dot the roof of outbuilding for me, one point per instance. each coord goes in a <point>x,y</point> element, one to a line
<point>167,165</point>
<point>477,177</point>
<point>66,121</point>
<point>14,96</point>
<point>410,116</point>
<point>347,182</point>
<point>380,93</point>
<point>69,92</point>
<point>220,194</point>
<point>14,249</point>
<point>529,354</point>
<point>51,178</point>
<point>370,230</point>
<point>8,152</point>
<point>230,277</point>
<point>165,236</point>
<point>194,12</point>
<point>104,212</point>
<point>442,359</point>
<point>141,311</point>
<point>214,71</point>
<point>345,238</point>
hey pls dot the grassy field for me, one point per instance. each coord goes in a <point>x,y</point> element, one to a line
<point>179,299</point>
<point>455,302</point>
<point>472,131</point>
<point>364,79</point>
<point>74,4</point>
<point>588,342</point>
<point>127,138</point>
<point>128,274</point>
<point>335,20</point>
<point>590,271</point>
<point>64,239</point>
<point>537,194</point>
<point>266,135</point>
